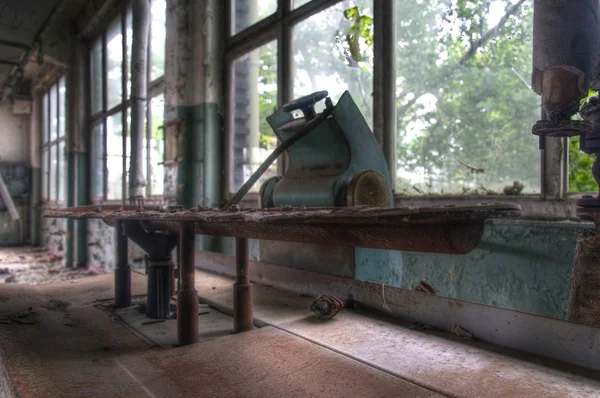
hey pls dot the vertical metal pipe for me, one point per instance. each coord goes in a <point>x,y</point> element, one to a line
<point>139,91</point>
<point>187,297</point>
<point>159,288</point>
<point>70,113</point>
<point>285,70</point>
<point>36,172</point>
<point>243,305</point>
<point>81,126</point>
<point>122,269</point>
<point>384,82</point>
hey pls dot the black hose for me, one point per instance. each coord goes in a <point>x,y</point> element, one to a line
<point>308,127</point>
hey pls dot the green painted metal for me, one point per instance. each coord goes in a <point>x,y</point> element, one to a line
<point>199,172</point>
<point>327,159</point>
<point>81,161</point>
<point>70,195</point>
<point>524,266</point>
<point>35,225</point>
<point>338,149</point>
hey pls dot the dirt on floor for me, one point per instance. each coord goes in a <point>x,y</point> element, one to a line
<point>35,266</point>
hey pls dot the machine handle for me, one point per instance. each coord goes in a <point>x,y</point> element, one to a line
<point>306,104</point>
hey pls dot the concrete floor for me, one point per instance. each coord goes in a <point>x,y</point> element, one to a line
<point>58,340</point>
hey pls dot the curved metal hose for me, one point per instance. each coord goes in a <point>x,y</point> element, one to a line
<point>308,127</point>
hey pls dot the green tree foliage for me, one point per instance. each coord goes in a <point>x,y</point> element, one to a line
<point>465,110</point>
<point>267,78</point>
<point>464,105</point>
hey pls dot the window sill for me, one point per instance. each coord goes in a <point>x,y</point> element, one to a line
<point>533,207</point>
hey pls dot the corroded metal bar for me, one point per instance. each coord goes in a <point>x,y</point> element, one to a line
<point>243,305</point>
<point>187,297</point>
<point>122,269</point>
<point>452,230</point>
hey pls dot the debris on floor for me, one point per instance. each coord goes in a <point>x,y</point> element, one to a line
<point>28,265</point>
<point>326,306</point>
<point>22,317</point>
<point>463,333</point>
<point>55,305</point>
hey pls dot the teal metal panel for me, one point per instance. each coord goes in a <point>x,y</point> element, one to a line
<point>378,266</point>
<point>524,266</point>
<point>200,167</point>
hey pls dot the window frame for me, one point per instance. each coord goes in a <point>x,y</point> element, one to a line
<point>278,26</point>
<point>155,88</point>
<point>51,147</point>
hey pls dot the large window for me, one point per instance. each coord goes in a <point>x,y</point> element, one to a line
<point>321,59</point>
<point>110,78</point>
<point>462,103</point>
<point>53,143</point>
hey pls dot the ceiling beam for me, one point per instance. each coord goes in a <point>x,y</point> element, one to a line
<point>11,63</point>
<point>14,44</point>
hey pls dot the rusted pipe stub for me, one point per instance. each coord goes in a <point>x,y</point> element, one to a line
<point>584,299</point>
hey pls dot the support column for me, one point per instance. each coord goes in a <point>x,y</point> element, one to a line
<point>36,126</point>
<point>159,288</point>
<point>187,298</point>
<point>194,97</point>
<point>79,105</point>
<point>243,305</point>
<point>122,269</point>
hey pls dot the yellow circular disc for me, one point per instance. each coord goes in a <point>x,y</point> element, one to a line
<point>368,188</point>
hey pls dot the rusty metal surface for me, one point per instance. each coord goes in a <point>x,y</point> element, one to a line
<point>187,297</point>
<point>243,304</point>
<point>444,229</point>
<point>561,128</point>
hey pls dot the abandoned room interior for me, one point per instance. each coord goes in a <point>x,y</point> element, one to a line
<point>294,198</point>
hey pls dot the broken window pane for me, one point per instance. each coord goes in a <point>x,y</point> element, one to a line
<point>114,156</point>
<point>45,119</point>
<point>53,113</point>
<point>580,169</point>
<point>464,105</point>
<point>62,93</point>
<point>96,77</point>
<point>328,56</point>
<point>157,39</point>
<point>62,171</point>
<point>254,79</point>
<point>128,38</point>
<point>97,147</point>
<point>45,172</point>
<point>157,145</point>
<point>299,3</point>
<point>53,173</point>
<point>248,12</point>
<point>114,63</point>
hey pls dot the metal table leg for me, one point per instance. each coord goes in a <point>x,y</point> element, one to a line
<point>187,298</point>
<point>122,270</point>
<point>243,305</point>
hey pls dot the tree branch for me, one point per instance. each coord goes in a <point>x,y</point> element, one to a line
<point>490,34</point>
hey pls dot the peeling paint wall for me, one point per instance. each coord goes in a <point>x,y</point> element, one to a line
<point>101,247</point>
<point>524,266</point>
<point>14,133</point>
<point>54,233</point>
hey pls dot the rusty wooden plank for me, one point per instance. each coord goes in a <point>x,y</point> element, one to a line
<point>443,229</point>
